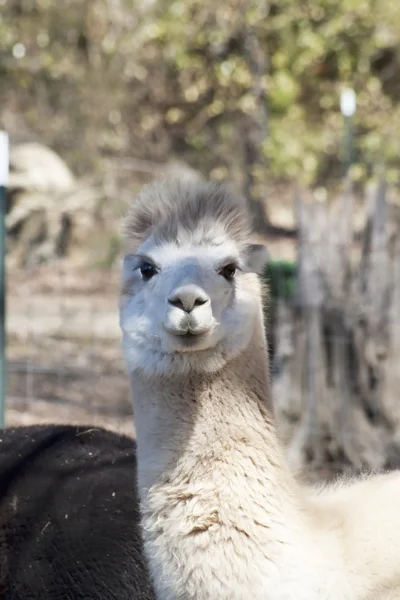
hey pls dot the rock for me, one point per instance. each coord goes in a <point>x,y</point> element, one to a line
<point>51,214</point>
<point>43,227</point>
<point>35,167</point>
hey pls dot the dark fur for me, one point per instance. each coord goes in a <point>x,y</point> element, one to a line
<point>165,208</point>
<point>48,472</point>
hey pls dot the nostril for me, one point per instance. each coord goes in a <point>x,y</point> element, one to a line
<point>200,301</point>
<point>176,302</point>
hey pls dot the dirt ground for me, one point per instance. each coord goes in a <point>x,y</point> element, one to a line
<point>64,352</point>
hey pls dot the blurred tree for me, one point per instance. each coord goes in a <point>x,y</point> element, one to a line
<point>207,82</point>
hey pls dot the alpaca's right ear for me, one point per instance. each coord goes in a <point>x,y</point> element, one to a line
<point>256,258</point>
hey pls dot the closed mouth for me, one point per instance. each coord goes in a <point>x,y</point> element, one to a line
<point>188,333</point>
<point>189,340</point>
<point>190,336</point>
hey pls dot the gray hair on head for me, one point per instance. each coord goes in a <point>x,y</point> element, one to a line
<point>166,208</point>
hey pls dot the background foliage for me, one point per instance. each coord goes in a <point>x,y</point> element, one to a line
<point>198,79</point>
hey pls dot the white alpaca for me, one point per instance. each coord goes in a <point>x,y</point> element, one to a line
<point>222,516</point>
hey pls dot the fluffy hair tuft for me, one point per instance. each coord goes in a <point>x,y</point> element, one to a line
<point>166,208</point>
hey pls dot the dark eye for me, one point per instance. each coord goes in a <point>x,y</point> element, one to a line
<point>147,270</point>
<point>228,271</point>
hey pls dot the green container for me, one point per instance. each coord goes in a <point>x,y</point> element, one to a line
<point>281,279</point>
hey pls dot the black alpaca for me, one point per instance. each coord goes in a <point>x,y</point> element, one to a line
<point>69,516</point>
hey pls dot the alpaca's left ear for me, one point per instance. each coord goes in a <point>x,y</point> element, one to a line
<point>256,258</point>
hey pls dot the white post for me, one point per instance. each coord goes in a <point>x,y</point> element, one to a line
<point>348,102</point>
<point>348,108</point>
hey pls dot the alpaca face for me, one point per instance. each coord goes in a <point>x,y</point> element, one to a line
<point>189,303</point>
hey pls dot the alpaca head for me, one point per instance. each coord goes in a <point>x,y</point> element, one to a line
<point>191,296</point>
